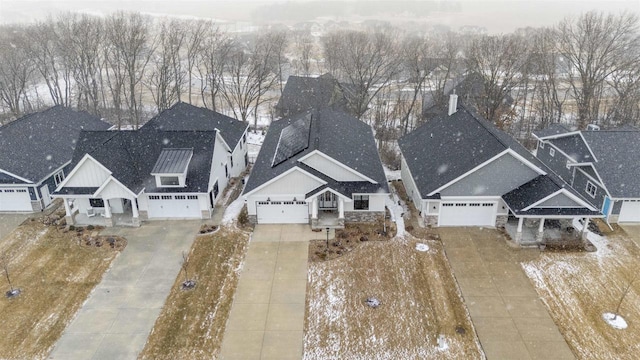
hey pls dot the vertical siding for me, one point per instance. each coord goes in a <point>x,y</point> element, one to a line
<point>557,163</point>
<point>89,174</point>
<point>580,185</point>
<point>331,169</point>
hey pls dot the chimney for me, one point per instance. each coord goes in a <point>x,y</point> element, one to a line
<point>453,103</point>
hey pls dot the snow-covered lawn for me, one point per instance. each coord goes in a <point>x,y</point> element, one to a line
<point>419,299</point>
<point>579,288</point>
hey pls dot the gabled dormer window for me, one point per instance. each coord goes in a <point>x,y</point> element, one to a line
<point>171,167</point>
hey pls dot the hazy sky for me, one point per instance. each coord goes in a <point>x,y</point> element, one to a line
<point>496,16</point>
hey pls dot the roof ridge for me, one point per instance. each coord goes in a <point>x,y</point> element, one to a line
<point>489,126</point>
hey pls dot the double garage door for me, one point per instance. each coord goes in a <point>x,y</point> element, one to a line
<point>174,206</point>
<point>467,214</point>
<point>282,212</point>
<point>15,200</point>
<point>630,211</point>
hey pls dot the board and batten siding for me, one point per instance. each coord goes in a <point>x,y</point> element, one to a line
<point>410,185</point>
<point>89,174</point>
<point>331,169</point>
<point>217,172</point>
<point>238,157</point>
<point>295,184</point>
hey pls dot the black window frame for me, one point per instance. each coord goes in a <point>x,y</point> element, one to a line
<point>216,190</point>
<point>96,202</point>
<point>360,202</point>
<point>173,183</point>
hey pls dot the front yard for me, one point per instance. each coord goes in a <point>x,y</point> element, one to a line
<point>419,299</point>
<point>579,287</point>
<point>55,270</point>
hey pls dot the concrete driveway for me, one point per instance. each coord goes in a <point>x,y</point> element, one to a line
<point>115,321</point>
<point>8,222</point>
<point>509,317</point>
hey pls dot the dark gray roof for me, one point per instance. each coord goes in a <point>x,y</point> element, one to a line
<point>131,155</point>
<point>574,146</point>
<point>293,139</point>
<point>334,133</point>
<point>35,145</point>
<point>183,117</point>
<point>303,93</point>
<point>77,191</point>
<point>553,129</point>
<point>172,161</point>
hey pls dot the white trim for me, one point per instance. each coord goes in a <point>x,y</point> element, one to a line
<point>295,168</point>
<point>470,198</point>
<point>552,152</point>
<point>315,195</point>
<point>593,186</point>
<point>596,181</point>
<point>495,202</point>
<point>572,133</point>
<point>106,182</point>
<point>318,152</point>
<point>566,193</point>
<point>222,139</point>
<point>499,155</point>
<point>78,165</point>
<point>16,176</point>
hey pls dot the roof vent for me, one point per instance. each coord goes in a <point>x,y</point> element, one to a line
<point>593,127</point>
<point>453,103</point>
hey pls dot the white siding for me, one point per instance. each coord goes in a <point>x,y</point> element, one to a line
<point>238,159</point>
<point>89,174</point>
<point>296,182</point>
<point>220,158</point>
<point>113,190</point>
<point>410,185</point>
<point>376,203</point>
<point>332,169</point>
<point>254,198</point>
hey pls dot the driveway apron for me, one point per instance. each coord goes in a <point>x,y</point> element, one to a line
<point>267,315</point>
<point>8,222</point>
<point>509,317</point>
<point>115,321</point>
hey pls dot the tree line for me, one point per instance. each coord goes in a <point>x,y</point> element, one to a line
<point>125,66</point>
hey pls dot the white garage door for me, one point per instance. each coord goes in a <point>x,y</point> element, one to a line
<point>467,214</point>
<point>630,211</point>
<point>282,212</point>
<point>174,206</point>
<point>15,200</point>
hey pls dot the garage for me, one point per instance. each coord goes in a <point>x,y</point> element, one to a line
<point>282,212</point>
<point>174,206</point>
<point>467,214</point>
<point>15,200</point>
<point>630,211</point>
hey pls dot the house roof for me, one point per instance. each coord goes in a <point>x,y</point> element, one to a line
<point>302,93</point>
<point>335,134</point>
<point>553,129</point>
<point>131,156</point>
<point>35,145</point>
<point>172,161</point>
<point>182,116</point>
<point>448,147</point>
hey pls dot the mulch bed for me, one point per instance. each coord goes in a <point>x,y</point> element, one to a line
<point>348,239</point>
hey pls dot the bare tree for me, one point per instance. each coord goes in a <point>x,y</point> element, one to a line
<point>217,47</point>
<point>16,68</point>
<point>166,76</point>
<point>596,46</point>
<point>303,48</point>
<point>625,83</point>
<point>196,36</point>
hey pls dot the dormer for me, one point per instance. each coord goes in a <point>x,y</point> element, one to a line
<point>171,167</point>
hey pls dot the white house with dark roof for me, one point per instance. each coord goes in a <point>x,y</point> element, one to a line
<point>319,167</point>
<point>603,166</point>
<point>35,153</point>
<point>460,170</point>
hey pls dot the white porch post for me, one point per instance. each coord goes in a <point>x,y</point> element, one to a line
<point>519,231</point>
<point>314,208</point>
<point>134,208</point>
<point>340,208</point>
<point>107,209</point>
<point>67,207</point>
<point>540,234</point>
<point>585,227</point>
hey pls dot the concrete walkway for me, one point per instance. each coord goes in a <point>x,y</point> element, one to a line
<point>267,315</point>
<point>510,319</point>
<point>8,222</point>
<point>115,321</point>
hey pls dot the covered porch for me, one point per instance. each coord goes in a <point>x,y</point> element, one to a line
<point>101,212</point>
<point>327,209</point>
<point>534,231</point>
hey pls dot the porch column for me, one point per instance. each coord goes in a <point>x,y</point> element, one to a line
<point>540,234</point>
<point>519,231</point>
<point>340,208</point>
<point>108,220</point>
<point>585,227</point>
<point>314,208</point>
<point>67,207</point>
<point>68,211</point>
<point>135,212</point>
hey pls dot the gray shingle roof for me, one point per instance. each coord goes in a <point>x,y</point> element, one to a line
<point>35,145</point>
<point>334,133</point>
<point>183,117</point>
<point>131,156</point>
<point>573,146</point>
<point>303,93</point>
<point>553,129</point>
<point>172,161</point>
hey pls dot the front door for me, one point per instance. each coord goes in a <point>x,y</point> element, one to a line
<point>328,200</point>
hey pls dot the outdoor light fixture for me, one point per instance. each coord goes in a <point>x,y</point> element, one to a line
<point>327,240</point>
<point>294,199</point>
<point>268,199</point>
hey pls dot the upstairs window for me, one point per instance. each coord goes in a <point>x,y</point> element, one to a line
<point>552,152</point>
<point>58,177</point>
<point>591,189</point>
<point>541,145</point>
<point>361,202</point>
<point>169,181</point>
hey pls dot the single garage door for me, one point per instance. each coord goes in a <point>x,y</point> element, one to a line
<point>15,200</point>
<point>630,211</point>
<point>467,214</point>
<point>174,206</point>
<point>282,212</point>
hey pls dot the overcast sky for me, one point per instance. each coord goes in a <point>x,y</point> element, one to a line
<point>496,16</point>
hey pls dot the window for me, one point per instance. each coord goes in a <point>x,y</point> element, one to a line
<point>552,152</point>
<point>568,166</point>
<point>96,203</point>
<point>169,181</point>
<point>246,159</point>
<point>166,197</point>
<point>180,197</point>
<point>192,197</point>
<point>591,189</point>
<point>58,177</point>
<point>21,190</point>
<point>231,161</point>
<point>244,138</point>
<point>541,145</point>
<point>226,170</point>
<point>361,202</point>
<point>154,197</point>
<point>215,190</point>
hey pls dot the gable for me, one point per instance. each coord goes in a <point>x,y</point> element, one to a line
<point>88,173</point>
<point>294,182</point>
<point>113,189</point>
<point>332,168</point>
<point>494,179</point>
<point>559,200</point>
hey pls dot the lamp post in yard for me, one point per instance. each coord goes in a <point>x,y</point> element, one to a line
<point>327,240</point>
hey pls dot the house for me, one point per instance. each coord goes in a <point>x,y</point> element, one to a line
<point>175,167</point>
<point>319,167</point>
<point>35,151</point>
<point>603,166</point>
<point>460,170</point>
<point>302,93</point>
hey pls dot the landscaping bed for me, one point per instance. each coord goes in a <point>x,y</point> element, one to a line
<point>349,238</point>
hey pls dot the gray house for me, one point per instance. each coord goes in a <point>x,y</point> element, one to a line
<point>603,166</point>
<point>35,153</point>
<point>460,170</point>
<point>302,93</point>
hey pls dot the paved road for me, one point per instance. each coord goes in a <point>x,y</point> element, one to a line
<point>509,317</point>
<point>8,222</point>
<point>115,321</point>
<point>267,315</point>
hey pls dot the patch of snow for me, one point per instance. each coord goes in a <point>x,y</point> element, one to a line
<point>442,343</point>
<point>392,175</point>
<point>232,211</point>
<point>600,242</point>
<point>396,209</point>
<point>616,322</point>
<point>422,247</point>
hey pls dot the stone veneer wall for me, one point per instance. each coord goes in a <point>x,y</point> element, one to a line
<point>501,221</point>
<point>431,220</point>
<point>253,219</point>
<point>363,216</point>
<point>143,214</point>
<point>36,205</point>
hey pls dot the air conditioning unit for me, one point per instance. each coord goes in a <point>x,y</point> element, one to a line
<point>593,127</point>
